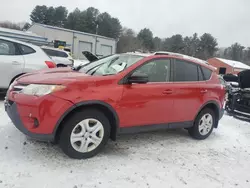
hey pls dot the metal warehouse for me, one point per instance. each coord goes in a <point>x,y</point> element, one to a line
<point>76,40</point>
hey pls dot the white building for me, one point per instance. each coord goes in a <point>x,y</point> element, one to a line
<point>76,40</point>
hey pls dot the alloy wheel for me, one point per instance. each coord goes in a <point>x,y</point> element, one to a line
<point>87,135</point>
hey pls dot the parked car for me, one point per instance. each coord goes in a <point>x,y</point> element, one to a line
<point>60,57</point>
<point>18,58</point>
<point>238,102</point>
<point>122,93</point>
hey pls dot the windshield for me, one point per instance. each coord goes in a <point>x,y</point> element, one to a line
<point>111,65</point>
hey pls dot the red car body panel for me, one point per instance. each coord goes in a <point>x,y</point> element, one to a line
<point>45,109</point>
<point>135,105</point>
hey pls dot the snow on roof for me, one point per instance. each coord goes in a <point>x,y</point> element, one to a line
<point>190,58</point>
<point>183,56</point>
<point>235,64</point>
<point>139,53</point>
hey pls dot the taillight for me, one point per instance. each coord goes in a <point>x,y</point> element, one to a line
<point>50,64</point>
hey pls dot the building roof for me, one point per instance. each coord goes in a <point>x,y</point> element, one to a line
<point>7,32</point>
<point>23,36</point>
<point>235,64</point>
<point>17,41</point>
<point>72,31</point>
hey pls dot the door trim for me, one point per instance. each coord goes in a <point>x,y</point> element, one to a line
<point>149,128</point>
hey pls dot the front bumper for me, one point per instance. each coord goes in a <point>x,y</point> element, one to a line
<point>36,117</point>
<point>12,112</point>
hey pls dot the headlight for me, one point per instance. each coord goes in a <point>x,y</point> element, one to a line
<point>41,89</point>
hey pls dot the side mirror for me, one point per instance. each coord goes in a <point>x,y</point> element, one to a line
<point>138,78</point>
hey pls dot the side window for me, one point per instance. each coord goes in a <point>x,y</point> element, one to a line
<point>8,48</point>
<point>157,70</point>
<point>207,73</point>
<point>62,54</point>
<point>26,49</point>
<point>185,71</point>
<point>50,52</point>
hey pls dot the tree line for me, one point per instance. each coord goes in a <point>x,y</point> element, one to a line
<point>93,21</point>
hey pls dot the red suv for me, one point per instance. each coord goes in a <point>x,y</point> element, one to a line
<point>82,108</point>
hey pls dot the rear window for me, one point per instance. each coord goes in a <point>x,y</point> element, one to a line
<point>206,72</point>
<point>26,50</point>
<point>55,53</point>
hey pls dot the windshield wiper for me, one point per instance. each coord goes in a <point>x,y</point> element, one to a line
<point>108,74</point>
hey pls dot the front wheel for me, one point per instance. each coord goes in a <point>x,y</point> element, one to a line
<point>203,125</point>
<point>84,134</point>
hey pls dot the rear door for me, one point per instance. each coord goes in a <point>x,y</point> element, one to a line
<point>150,103</point>
<point>190,90</point>
<point>11,62</point>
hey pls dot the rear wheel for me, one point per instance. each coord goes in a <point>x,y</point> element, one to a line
<point>203,125</point>
<point>84,134</point>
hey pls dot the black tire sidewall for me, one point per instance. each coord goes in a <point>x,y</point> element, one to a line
<point>69,125</point>
<point>194,131</point>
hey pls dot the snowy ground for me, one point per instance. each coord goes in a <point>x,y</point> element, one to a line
<point>160,159</point>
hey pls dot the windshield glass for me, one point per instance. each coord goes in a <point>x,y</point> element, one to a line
<point>111,65</point>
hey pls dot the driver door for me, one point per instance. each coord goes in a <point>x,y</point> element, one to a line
<point>150,103</point>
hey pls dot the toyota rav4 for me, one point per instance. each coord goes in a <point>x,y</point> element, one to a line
<point>123,93</point>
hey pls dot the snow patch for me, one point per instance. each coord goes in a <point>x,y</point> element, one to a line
<point>235,64</point>
<point>158,159</point>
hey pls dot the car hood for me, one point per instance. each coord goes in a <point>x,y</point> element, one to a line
<point>242,78</point>
<point>51,76</point>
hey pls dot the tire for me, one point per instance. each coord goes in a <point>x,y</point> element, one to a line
<point>202,130</point>
<point>79,141</point>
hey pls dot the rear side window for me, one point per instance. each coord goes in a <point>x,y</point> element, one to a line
<point>26,50</point>
<point>206,72</point>
<point>185,71</point>
<point>8,48</point>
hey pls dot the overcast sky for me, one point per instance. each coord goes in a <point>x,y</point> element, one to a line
<point>227,20</point>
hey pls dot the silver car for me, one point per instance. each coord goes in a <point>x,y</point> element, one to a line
<point>17,58</point>
<point>60,57</point>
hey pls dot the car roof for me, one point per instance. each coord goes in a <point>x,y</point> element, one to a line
<point>18,41</point>
<point>173,54</point>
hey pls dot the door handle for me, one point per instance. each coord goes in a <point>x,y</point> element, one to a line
<point>204,91</point>
<point>167,92</point>
<point>15,63</point>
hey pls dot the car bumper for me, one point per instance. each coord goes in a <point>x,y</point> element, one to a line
<point>36,117</point>
<point>15,118</point>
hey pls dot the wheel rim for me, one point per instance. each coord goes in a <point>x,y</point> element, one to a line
<point>205,124</point>
<point>87,135</point>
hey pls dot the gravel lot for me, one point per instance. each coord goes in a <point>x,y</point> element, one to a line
<point>159,159</point>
